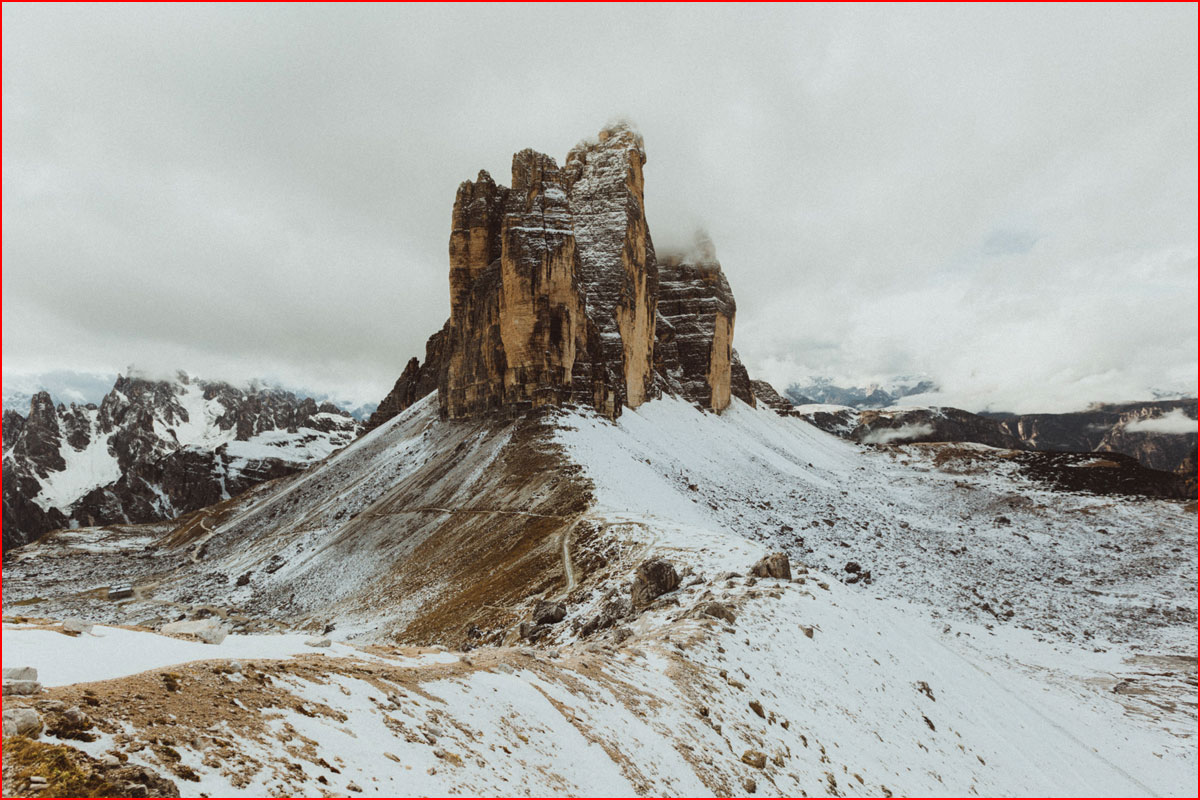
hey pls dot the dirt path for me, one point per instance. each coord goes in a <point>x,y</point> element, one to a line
<point>440,510</point>
<point>198,548</point>
<point>568,567</point>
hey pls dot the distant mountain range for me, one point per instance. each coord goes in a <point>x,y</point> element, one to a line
<point>1159,434</point>
<point>153,449</point>
<point>875,395</point>
<point>69,386</point>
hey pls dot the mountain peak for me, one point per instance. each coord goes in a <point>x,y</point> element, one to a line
<point>556,297</point>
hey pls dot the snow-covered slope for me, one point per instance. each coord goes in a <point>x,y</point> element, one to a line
<point>959,527</point>
<point>1009,638</point>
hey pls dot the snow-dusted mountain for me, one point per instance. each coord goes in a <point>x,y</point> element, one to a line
<point>71,386</point>
<point>1159,434</point>
<point>581,552</point>
<point>152,449</point>
<point>874,395</point>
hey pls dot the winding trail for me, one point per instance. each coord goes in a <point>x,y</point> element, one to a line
<point>198,548</point>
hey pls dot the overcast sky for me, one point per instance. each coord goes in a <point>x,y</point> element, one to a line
<point>1001,198</point>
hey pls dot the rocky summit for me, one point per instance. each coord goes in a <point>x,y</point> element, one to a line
<point>557,296</point>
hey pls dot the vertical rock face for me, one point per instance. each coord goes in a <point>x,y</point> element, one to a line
<point>617,262</point>
<point>516,320</point>
<point>475,362</point>
<point>766,394</point>
<point>740,385</point>
<point>556,297</point>
<point>694,333</point>
<point>475,233</point>
<point>541,300</point>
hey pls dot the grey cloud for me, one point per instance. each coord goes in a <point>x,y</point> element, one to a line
<point>264,191</point>
<point>1009,241</point>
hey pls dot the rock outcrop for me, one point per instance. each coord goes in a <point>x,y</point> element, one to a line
<point>556,297</point>
<point>775,565</point>
<point>516,303</point>
<point>694,334</point>
<point>653,579</point>
<point>765,393</point>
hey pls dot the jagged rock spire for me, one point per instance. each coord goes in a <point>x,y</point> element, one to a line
<point>555,296</point>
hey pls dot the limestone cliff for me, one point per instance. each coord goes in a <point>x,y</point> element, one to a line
<point>556,297</point>
<point>617,263</point>
<point>694,334</point>
<point>517,307</point>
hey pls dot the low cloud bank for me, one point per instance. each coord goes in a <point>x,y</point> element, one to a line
<point>902,434</point>
<point>1171,422</point>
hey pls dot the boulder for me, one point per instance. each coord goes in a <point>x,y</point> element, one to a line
<point>71,723</point>
<point>549,613</point>
<point>20,674</point>
<point>318,641</point>
<point>653,579</point>
<point>716,610</point>
<point>755,758</point>
<point>531,631</point>
<point>208,630</point>
<point>214,635</point>
<point>76,625</point>
<point>776,565</point>
<point>21,688</point>
<point>22,722</point>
